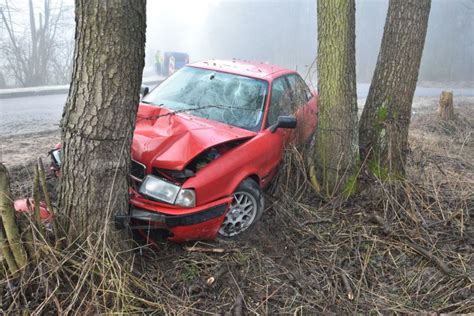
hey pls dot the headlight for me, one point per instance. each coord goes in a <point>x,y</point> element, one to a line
<point>57,156</point>
<point>159,189</point>
<point>167,192</point>
<point>186,198</point>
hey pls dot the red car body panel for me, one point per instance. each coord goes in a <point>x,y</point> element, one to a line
<point>245,68</point>
<point>27,206</point>
<point>170,141</point>
<point>203,230</point>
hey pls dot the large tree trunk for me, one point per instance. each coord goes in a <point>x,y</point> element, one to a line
<point>383,130</point>
<point>336,136</point>
<point>100,111</point>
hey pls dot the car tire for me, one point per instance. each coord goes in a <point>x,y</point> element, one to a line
<point>245,210</point>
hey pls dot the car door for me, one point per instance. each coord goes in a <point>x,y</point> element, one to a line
<point>306,107</point>
<point>281,104</point>
<point>272,144</point>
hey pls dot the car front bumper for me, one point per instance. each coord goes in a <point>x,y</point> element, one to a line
<point>182,224</point>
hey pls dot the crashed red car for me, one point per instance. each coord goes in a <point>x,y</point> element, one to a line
<point>207,141</point>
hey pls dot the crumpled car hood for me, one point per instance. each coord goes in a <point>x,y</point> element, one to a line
<point>171,141</point>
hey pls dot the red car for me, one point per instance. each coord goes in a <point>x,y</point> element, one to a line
<point>207,141</point>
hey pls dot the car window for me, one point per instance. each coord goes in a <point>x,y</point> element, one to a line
<point>300,91</point>
<point>228,98</point>
<point>280,102</point>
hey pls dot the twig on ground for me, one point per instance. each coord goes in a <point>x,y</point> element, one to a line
<point>206,250</point>
<point>347,286</point>
<point>429,255</point>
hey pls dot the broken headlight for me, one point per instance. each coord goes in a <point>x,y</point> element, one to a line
<point>159,189</point>
<point>165,191</point>
<point>186,198</point>
<point>56,154</point>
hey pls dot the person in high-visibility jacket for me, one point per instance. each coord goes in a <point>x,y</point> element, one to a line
<point>159,62</point>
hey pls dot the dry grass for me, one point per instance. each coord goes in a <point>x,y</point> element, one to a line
<point>399,247</point>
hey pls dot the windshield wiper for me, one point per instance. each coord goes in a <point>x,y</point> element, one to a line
<point>148,102</point>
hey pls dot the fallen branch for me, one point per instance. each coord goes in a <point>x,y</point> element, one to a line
<point>313,222</point>
<point>427,254</point>
<point>347,286</point>
<point>205,250</point>
<point>238,305</point>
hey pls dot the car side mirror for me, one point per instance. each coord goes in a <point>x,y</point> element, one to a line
<point>144,91</point>
<point>284,122</point>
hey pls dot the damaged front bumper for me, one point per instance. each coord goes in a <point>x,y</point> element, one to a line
<point>202,222</point>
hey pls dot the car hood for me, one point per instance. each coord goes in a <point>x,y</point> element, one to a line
<point>169,140</point>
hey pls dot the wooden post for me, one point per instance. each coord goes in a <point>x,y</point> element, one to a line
<point>446,108</point>
<point>10,227</point>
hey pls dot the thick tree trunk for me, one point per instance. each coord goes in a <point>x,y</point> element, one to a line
<point>100,111</point>
<point>383,129</point>
<point>336,136</point>
<point>446,107</point>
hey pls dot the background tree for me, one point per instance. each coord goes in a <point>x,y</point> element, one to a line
<point>40,54</point>
<point>100,111</point>
<point>336,135</point>
<point>383,129</point>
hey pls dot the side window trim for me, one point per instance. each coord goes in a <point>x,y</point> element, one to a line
<point>286,87</point>
<point>308,92</point>
<point>292,94</point>
<point>299,80</point>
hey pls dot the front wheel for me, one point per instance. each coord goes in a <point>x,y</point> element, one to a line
<point>245,210</point>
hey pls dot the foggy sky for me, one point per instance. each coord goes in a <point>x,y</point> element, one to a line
<point>283,32</point>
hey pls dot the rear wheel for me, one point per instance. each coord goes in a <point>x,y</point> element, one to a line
<point>245,210</point>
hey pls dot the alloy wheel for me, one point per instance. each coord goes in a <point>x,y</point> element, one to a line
<point>241,215</point>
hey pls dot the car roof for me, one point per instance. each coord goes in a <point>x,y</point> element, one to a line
<point>246,68</point>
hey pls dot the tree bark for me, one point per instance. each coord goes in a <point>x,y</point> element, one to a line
<point>383,129</point>
<point>336,135</point>
<point>446,107</point>
<point>100,111</point>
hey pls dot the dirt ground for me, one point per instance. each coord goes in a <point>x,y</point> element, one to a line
<point>405,247</point>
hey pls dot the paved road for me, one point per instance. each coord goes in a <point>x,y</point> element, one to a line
<point>42,113</point>
<point>31,114</point>
<point>363,90</point>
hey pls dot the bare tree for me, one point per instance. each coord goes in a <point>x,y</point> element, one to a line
<point>100,112</point>
<point>383,129</point>
<point>336,136</point>
<point>35,57</point>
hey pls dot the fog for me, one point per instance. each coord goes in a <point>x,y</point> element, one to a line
<point>281,32</point>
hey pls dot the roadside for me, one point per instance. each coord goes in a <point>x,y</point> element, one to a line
<point>62,89</point>
<point>395,249</point>
<point>19,144</point>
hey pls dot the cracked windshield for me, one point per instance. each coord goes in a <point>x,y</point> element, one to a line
<point>227,98</point>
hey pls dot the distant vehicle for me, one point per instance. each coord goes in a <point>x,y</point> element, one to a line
<point>207,141</point>
<point>167,63</point>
